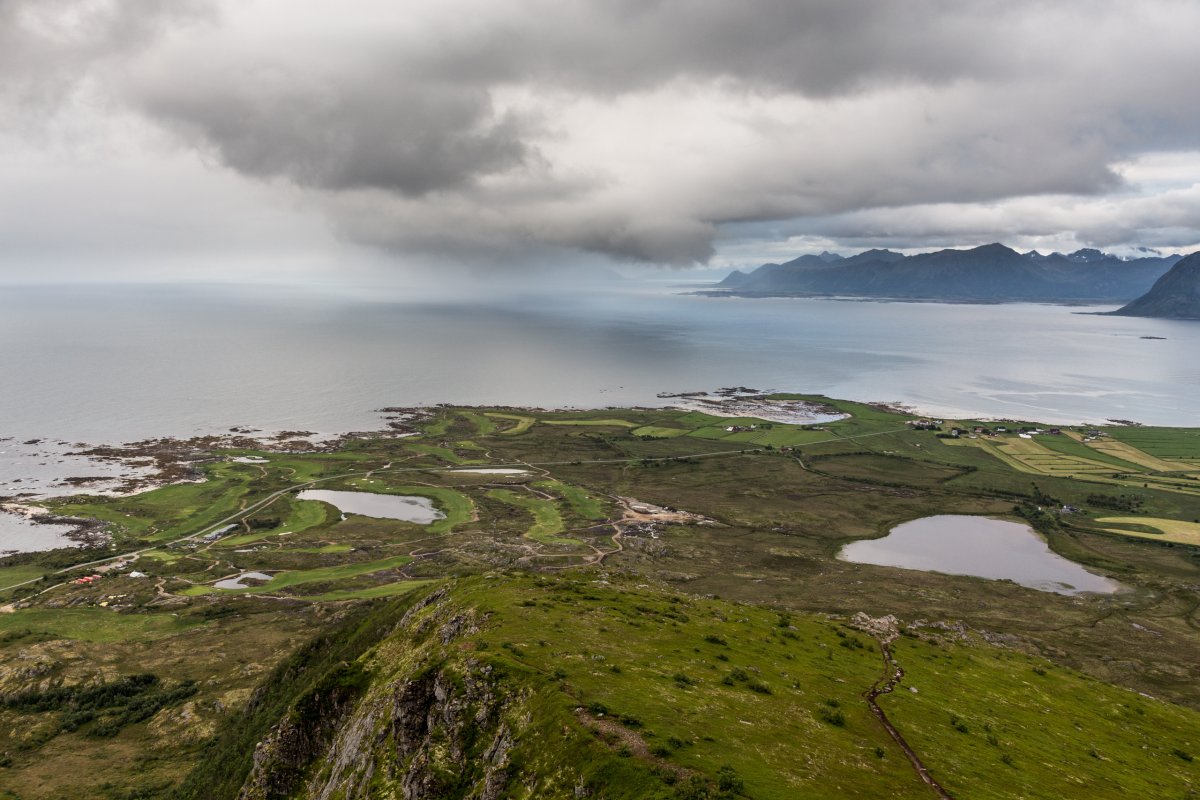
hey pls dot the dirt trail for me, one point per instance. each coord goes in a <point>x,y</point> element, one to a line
<point>885,630</point>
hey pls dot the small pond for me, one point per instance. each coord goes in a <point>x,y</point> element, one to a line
<point>237,583</point>
<point>981,547</point>
<point>383,506</point>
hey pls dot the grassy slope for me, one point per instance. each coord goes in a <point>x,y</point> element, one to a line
<point>299,577</point>
<point>522,423</point>
<point>784,519</point>
<point>93,624</point>
<point>1063,735</point>
<point>580,501</point>
<point>547,522</point>
<point>301,516</point>
<point>697,684</point>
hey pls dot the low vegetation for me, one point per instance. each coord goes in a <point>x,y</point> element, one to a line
<point>657,596</point>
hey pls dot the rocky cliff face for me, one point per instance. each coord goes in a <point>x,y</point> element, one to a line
<point>426,720</point>
<point>1175,295</point>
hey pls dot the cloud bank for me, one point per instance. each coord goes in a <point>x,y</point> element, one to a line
<point>665,132</point>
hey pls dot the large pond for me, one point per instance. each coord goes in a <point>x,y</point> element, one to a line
<point>383,506</point>
<point>978,546</point>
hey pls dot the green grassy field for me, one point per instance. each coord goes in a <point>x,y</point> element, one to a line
<point>373,592</point>
<point>443,453</point>
<point>1166,443</point>
<point>547,522</point>
<point>758,537</point>
<point>93,624</point>
<point>596,423</point>
<point>992,717</point>
<point>522,423</point>
<point>290,578</point>
<point>659,432</point>
<point>301,516</point>
<point>582,503</point>
<point>484,426</point>
<point>1071,447</point>
<point>639,691</point>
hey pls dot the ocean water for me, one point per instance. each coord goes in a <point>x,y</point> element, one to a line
<point>115,363</point>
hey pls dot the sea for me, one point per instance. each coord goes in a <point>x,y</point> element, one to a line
<point>106,364</point>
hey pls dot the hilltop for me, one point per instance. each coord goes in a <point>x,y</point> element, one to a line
<point>991,273</point>
<point>589,685</point>
<point>1175,295</point>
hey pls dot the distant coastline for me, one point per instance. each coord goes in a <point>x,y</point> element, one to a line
<point>991,273</point>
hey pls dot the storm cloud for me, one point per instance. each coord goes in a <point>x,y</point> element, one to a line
<point>665,132</point>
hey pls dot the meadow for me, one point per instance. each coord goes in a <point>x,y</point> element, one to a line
<point>717,526</point>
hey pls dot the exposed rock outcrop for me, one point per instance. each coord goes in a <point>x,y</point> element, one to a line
<point>431,722</point>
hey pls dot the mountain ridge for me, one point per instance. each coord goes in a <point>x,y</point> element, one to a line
<point>1176,295</point>
<point>989,273</point>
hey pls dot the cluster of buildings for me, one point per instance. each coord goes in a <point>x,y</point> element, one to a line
<point>974,432</point>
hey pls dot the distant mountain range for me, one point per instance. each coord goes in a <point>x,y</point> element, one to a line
<point>991,273</point>
<point>1176,295</point>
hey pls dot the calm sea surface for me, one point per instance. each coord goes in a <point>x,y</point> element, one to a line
<point>115,364</point>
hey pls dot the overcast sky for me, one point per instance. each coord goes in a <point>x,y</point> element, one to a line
<point>295,139</point>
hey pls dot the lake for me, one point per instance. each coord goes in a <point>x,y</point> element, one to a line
<point>381,506</point>
<point>980,547</point>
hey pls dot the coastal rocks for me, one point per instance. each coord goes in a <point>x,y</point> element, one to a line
<point>735,403</point>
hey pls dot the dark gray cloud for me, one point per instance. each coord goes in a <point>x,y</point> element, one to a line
<point>657,131</point>
<point>48,46</point>
<point>345,133</point>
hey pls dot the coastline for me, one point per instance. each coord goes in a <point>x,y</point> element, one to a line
<point>140,466</point>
